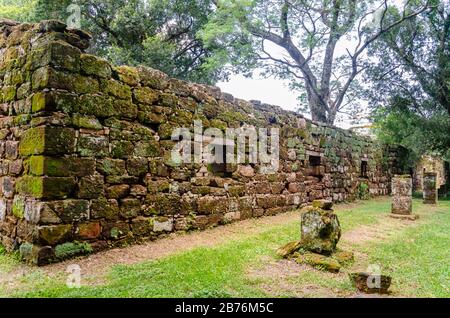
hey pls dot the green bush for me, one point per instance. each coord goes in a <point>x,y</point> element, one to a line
<point>363,191</point>
<point>2,250</point>
<point>71,249</point>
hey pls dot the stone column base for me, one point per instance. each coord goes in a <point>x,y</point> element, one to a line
<point>411,217</point>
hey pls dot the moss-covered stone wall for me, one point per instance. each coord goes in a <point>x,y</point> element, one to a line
<point>85,152</point>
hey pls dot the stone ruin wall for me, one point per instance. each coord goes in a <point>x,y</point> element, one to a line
<point>85,152</point>
<point>429,164</point>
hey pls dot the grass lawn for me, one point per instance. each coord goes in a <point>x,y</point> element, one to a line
<point>416,254</point>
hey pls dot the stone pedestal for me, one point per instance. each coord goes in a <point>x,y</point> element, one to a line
<point>429,188</point>
<point>320,228</point>
<point>402,197</point>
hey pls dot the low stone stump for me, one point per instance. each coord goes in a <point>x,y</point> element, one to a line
<point>430,194</point>
<point>371,283</point>
<point>320,229</point>
<point>320,233</point>
<point>402,197</point>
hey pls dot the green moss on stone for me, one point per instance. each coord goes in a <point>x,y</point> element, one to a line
<point>32,186</point>
<point>18,207</point>
<point>122,149</point>
<point>146,95</point>
<point>128,75</point>
<point>32,141</point>
<point>9,93</point>
<point>38,102</point>
<point>88,122</point>
<point>71,249</point>
<point>146,149</point>
<point>115,88</point>
<point>93,65</point>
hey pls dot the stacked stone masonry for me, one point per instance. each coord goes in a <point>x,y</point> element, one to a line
<point>401,195</point>
<point>85,152</point>
<point>430,193</point>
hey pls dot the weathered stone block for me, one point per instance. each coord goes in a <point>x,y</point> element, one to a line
<point>317,260</point>
<point>88,122</point>
<point>92,65</point>
<point>97,105</point>
<point>88,231</point>
<point>320,230</point>
<point>128,75</point>
<point>58,54</point>
<point>162,224</point>
<point>109,166</point>
<point>145,95</point>
<point>116,230</point>
<point>61,167</point>
<point>35,254</point>
<point>47,140</point>
<point>137,166</point>
<point>158,186</point>
<point>371,283</point>
<point>153,78</point>
<point>11,149</point>
<point>91,187</point>
<point>47,77</point>
<point>54,234</point>
<point>401,194</point>
<point>402,185</point>
<point>142,226</point>
<point>122,149</point>
<point>116,89</point>
<point>147,149</point>
<point>7,187</point>
<point>45,187</point>
<point>93,146</point>
<point>69,210</point>
<point>430,193</point>
<point>130,208</point>
<point>163,204</point>
<point>103,208</point>
<point>212,205</point>
<point>118,191</point>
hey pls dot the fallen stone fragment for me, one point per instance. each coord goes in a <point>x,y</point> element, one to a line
<point>371,283</point>
<point>316,260</point>
<point>289,249</point>
<point>344,257</point>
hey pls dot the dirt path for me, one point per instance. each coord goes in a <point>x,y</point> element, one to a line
<point>96,264</point>
<point>382,230</point>
<point>95,267</point>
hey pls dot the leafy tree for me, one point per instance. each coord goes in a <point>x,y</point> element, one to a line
<point>411,79</point>
<point>307,35</point>
<point>156,33</point>
<point>17,10</point>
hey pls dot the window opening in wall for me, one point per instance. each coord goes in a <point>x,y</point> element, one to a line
<point>221,169</point>
<point>364,169</point>
<point>314,166</point>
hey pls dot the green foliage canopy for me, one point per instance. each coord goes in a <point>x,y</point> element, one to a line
<point>410,76</point>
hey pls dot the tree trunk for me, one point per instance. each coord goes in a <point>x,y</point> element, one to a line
<point>318,110</point>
